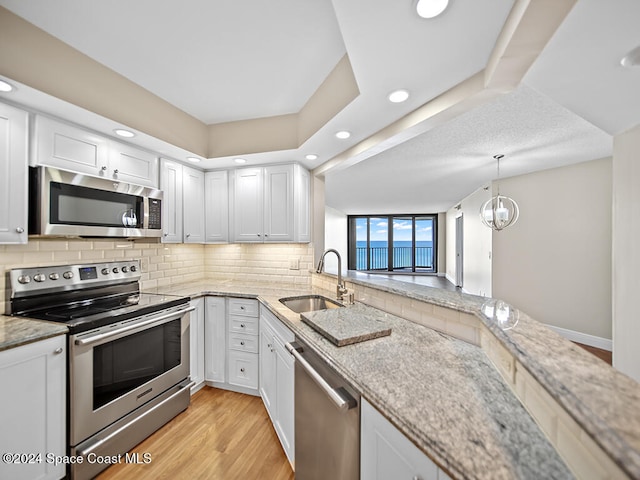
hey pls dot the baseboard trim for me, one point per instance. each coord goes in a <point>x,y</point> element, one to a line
<point>584,338</point>
<point>448,277</point>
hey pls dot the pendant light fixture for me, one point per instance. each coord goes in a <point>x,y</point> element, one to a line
<point>499,211</point>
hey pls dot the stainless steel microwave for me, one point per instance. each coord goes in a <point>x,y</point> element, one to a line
<point>64,203</point>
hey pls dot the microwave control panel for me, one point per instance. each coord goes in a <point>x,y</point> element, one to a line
<point>155,214</point>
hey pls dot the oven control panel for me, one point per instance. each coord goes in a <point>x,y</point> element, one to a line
<point>66,277</point>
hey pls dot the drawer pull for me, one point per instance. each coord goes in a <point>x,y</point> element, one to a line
<point>242,370</point>
<point>242,325</point>
<point>241,307</point>
<point>242,343</point>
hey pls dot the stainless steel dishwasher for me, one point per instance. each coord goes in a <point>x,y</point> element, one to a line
<point>327,420</point>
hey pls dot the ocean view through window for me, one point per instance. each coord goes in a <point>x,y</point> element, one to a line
<point>392,243</point>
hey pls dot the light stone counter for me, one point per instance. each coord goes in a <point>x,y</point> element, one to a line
<point>16,331</point>
<point>442,393</point>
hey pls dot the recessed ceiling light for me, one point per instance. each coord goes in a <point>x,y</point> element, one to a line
<point>124,133</point>
<point>240,160</point>
<point>311,156</point>
<point>631,59</point>
<point>5,87</point>
<point>431,8</point>
<point>342,134</point>
<point>398,96</point>
<point>193,159</point>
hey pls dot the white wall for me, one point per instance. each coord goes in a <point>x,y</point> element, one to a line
<point>476,255</point>
<point>335,236</point>
<point>555,262</point>
<point>626,254</point>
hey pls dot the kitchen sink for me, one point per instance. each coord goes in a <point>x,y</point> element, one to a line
<point>309,303</point>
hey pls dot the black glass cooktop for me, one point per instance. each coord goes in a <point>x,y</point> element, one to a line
<point>84,312</point>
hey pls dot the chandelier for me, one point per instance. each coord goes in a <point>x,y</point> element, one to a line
<point>499,211</point>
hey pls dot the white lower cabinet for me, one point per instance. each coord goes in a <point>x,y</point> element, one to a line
<point>277,378</point>
<point>196,327</point>
<point>33,409</point>
<point>231,345</point>
<point>215,330</point>
<point>386,453</point>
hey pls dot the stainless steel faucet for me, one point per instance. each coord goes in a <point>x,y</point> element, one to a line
<point>341,290</point>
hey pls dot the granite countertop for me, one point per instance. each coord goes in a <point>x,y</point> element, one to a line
<point>16,331</point>
<point>442,393</point>
<point>601,399</point>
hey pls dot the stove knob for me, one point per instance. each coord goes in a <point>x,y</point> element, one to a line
<point>68,275</point>
<point>24,279</point>
<point>115,269</point>
<point>54,276</point>
<point>39,277</point>
<point>125,269</point>
<point>133,268</point>
<point>105,271</point>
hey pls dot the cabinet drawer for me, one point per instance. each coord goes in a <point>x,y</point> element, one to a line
<point>240,324</point>
<point>243,342</point>
<point>243,369</point>
<point>243,306</point>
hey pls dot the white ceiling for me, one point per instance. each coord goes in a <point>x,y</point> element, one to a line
<point>229,60</point>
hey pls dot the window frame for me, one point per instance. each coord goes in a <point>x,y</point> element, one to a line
<point>352,258</point>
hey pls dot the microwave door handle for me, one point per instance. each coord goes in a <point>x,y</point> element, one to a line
<point>162,319</point>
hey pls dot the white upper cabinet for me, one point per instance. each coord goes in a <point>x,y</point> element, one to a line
<point>13,174</point>
<point>65,146</point>
<point>216,206</point>
<point>271,204</point>
<point>248,205</point>
<point>278,203</point>
<point>171,185</point>
<point>193,203</point>
<point>132,165</point>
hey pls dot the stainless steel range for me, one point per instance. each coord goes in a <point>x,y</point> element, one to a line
<point>128,353</point>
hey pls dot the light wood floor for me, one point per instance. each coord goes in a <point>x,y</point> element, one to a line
<point>222,435</point>
<point>604,355</point>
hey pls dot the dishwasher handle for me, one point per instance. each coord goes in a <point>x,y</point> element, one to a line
<point>339,396</point>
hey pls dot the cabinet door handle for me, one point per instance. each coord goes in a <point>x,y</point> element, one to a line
<point>19,230</point>
<point>115,172</point>
<point>242,325</point>
<point>242,370</point>
<point>242,343</point>
<point>104,168</point>
<point>241,307</point>
<point>58,351</point>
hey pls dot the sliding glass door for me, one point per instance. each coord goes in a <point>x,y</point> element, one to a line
<point>393,243</point>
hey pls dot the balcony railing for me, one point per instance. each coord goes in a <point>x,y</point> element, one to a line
<point>379,258</point>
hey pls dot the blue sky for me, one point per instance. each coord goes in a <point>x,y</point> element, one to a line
<point>401,229</point>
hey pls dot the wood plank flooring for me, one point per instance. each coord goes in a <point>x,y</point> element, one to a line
<point>601,354</point>
<point>222,435</point>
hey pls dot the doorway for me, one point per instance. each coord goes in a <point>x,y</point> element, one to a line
<point>459,251</point>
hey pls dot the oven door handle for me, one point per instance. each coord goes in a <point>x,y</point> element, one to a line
<point>113,333</point>
<point>339,396</point>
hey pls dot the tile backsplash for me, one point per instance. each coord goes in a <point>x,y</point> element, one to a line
<point>165,264</point>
